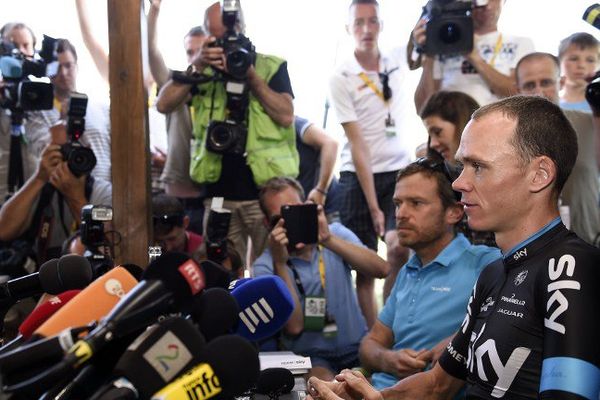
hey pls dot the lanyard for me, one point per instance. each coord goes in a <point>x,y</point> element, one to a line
<point>297,276</point>
<point>372,85</point>
<point>497,49</point>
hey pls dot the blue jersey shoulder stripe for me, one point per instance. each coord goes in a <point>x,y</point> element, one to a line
<point>571,375</point>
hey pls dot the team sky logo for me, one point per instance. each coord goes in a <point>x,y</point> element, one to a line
<point>252,315</point>
<point>520,253</point>
<point>561,285</point>
<point>520,278</point>
<point>484,360</point>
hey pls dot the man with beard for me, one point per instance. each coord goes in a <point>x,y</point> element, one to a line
<point>430,294</point>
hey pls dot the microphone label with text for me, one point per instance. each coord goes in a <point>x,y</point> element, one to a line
<point>200,383</point>
<point>193,275</point>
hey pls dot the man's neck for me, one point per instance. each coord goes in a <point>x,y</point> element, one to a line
<point>429,252</point>
<point>509,239</point>
<point>368,59</point>
<point>305,253</point>
<point>482,30</point>
<point>61,95</point>
<point>573,92</point>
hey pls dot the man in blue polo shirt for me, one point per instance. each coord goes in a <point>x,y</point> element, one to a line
<point>430,294</point>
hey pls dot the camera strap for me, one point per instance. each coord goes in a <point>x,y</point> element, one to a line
<point>297,276</point>
<point>372,86</point>
<point>15,166</point>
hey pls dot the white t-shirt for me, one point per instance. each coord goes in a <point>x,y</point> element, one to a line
<point>354,101</point>
<point>456,73</point>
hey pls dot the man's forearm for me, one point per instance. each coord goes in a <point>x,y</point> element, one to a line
<point>158,68</point>
<point>434,384</point>
<point>295,324</point>
<point>172,95</point>
<point>327,161</point>
<point>279,106</point>
<point>360,158</point>
<point>427,85</point>
<point>15,213</point>
<point>362,259</point>
<point>501,85</point>
<point>372,354</point>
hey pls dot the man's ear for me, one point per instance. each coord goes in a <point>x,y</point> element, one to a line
<point>543,173</point>
<point>454,214</point>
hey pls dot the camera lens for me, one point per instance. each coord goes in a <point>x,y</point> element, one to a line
<point>220,136</point>
<point>450,33</point>
<point>238,62</point>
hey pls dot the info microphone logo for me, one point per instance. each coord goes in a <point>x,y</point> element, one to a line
<point>259,311</point>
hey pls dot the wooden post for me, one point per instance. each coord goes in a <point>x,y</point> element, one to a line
<point>128,117</point>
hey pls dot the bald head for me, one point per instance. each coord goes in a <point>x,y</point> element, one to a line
<point>538,74</point>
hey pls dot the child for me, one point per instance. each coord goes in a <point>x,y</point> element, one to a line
<point>579,60</point>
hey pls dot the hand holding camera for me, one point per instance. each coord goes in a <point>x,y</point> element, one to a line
<point>69,185</point>
<point>50,159</point>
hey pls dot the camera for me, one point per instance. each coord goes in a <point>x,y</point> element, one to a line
<point>19,93</point>
<point>449,26</point>
<point>226,137</point>
<point>239,50</point>
<point>592,93</point>
<point>217,228</point>
<point>80,160</point>
<point>93,237</point>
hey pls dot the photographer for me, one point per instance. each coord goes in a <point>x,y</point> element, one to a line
<point>317,274</point>
<point>97,129</point>
<point>22,37</point>
<point>170,226</point>
<point>262,116</point>
<point>47,208</point>
<point>487,72</point>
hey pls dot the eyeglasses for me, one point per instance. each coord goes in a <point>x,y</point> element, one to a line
<point>168,220</point>
<point>435,162</point>
<point>384,77</point>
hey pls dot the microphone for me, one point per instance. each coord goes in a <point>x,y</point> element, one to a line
<point>156,357</point>
<point>265,306</point>
<point>274,382</point>
<point>237,283</point>
<point>44,311</point>
<point>591,15</point>
<point>216,275</point>
<point>215,313</point>
<point>55,276</point>
<point>93,303</point>
<point>229,367</point>
<point>170,280</point>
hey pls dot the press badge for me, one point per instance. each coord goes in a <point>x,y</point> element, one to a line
<point>390,126</point>
<point>330,329</point>
<point>314,313</point>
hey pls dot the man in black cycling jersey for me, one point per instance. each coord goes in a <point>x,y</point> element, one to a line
<point>531,327</point>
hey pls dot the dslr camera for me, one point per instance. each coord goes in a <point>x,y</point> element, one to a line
<point>93,237</point>
<point>19,93</point>
<point>217,228</point>
<point>239,50</point>
<point>80,159</point>
<point>449,26</point>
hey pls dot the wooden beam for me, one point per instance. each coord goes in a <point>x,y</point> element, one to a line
<point>128,116</point>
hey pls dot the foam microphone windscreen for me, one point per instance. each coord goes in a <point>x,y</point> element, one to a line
<point>72,272</point>
<point>160,354</point>
<point>275,381</point>
<point>215,312</point>
<point>237,283</point>
<point>180,275</point>
<point>265,306</point>
<point>44,311</point>
<point>216,275</point>
<point>92,304</point>
<point>228,367</point>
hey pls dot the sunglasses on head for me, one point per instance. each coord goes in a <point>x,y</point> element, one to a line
<point>435,162</point>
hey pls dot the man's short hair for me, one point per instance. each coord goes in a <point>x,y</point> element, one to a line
<point>444,186</point>
<point>538,55</point>
<point>63,45</point>
<point>454,107</point>
<point>10,26</point>
<point>196,31</point>
<point>167,213</point>
<point>582,40</point>
<point>542,129</point>
<point>276,185</point>
<point>355,2</point>
<point>241,21</point>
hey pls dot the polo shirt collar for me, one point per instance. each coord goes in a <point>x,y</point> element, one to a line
<point>446,257</point>
<point>354,67</point>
